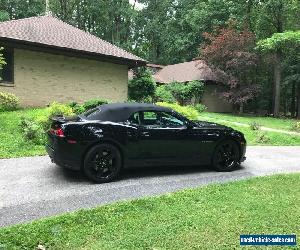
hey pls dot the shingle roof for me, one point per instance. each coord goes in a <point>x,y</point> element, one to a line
<point>185,72</point>
<point>50,31</point>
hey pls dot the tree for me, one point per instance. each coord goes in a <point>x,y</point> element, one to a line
<point>281,44</point>
<point>142,86</point>
<point>16,9</point>
<point>2,60</point>
<point>230,53</point>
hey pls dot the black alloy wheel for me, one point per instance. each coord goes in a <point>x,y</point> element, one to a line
<point>103,163</point>
<point>226,156</point>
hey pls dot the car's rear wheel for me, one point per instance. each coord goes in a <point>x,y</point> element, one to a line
<point>226,156</point>
<point>102,163</point>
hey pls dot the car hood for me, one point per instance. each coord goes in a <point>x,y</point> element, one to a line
<point>211,125</point>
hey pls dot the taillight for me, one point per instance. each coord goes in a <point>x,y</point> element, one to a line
<point>58,132</point>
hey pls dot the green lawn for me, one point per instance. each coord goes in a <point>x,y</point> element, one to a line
<point>270,122</point>
<point>210,217</point>
<point>12,144</point>
<point>254,137</point>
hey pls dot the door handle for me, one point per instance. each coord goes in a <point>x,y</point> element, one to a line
<point>146,134</point>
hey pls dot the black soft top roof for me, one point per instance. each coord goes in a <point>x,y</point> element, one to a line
<point>120,112</point>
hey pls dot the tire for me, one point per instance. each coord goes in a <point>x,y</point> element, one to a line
<point>102,163</point>
<point>226,156</point>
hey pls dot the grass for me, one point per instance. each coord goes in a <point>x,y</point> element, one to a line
<point>270,122</point>
<point>210,217</point>
<point>12,143</point>
<point>262,138</point>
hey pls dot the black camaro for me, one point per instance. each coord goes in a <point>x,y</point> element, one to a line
<point>110,137</point>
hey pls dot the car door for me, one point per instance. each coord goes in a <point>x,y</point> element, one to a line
<point>164,138</point>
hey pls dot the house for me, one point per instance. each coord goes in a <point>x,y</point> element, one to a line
<point>49,60</point>
<point>195,70</point>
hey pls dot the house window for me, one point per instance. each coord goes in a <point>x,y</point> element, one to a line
<point>6,73</point>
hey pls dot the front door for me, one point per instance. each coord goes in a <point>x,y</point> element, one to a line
<point>164,139</point>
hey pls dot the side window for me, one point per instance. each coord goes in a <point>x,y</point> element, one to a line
<point>167,120</point>
<point>134,118</point>
<point>149,118</point>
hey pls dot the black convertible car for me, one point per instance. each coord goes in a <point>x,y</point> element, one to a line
<point>110,137</point>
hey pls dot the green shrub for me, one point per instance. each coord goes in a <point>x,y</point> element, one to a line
<point>296,126</point>
<point>59,109</point>
<point>255,126</point>
<point>93,103</point>
<point>262,138</point>
<point>184,93</point>
<point>32,130</point>
<point>188,111</point>
<point>141,86</point>
<point>200,107</point>
<point>8,102</point>
<point>163,94</point>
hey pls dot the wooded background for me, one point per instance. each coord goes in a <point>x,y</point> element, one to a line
<point>173,31</point>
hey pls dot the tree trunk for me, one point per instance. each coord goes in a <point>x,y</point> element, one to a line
<point>277,81</point>
<point>241,108</point>
<point>293,103</point>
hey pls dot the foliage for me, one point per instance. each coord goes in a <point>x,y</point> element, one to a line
<point>271,200</point>
<point>93,103</point>
<point>280,40</point>
<point>34,128</point>
<point>185,92</point>
<point>32,131</point>
<point>8,102</point>
<point>59,109</point>
<point>13,142</point>
<point>77,108</point>
<point>296,126</point>
<point>200,107</point>
<point>163,94</point>
<point>141,86</point>
<point>2,60</point>
<point>255,126</point>
<point>16,9</point>
<point>230,54</point>
<point>262,138</point>
<point>188,111</point>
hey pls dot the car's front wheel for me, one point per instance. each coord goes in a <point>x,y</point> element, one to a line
<point>226,156</point>
<point>102,163</point>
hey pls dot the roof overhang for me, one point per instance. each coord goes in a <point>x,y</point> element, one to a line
<point>26,45</point>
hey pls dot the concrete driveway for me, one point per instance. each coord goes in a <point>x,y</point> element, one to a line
<point>32,188</point>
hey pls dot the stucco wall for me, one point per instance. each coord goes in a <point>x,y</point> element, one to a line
<point>213,102</point>
<point>41,78</point>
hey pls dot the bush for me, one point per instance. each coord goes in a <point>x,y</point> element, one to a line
<point>255,126</point>
<point>262,138</point>
<point>8,102</point>
<point>93,103</point>
<point>32,130</point>
<point>188,111</point>
<point>59,109</point>
<point>296,126</point>
<point>162,94</point>
<point>200,107</point>
<point>184,93</point>
<point>141,86</point>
